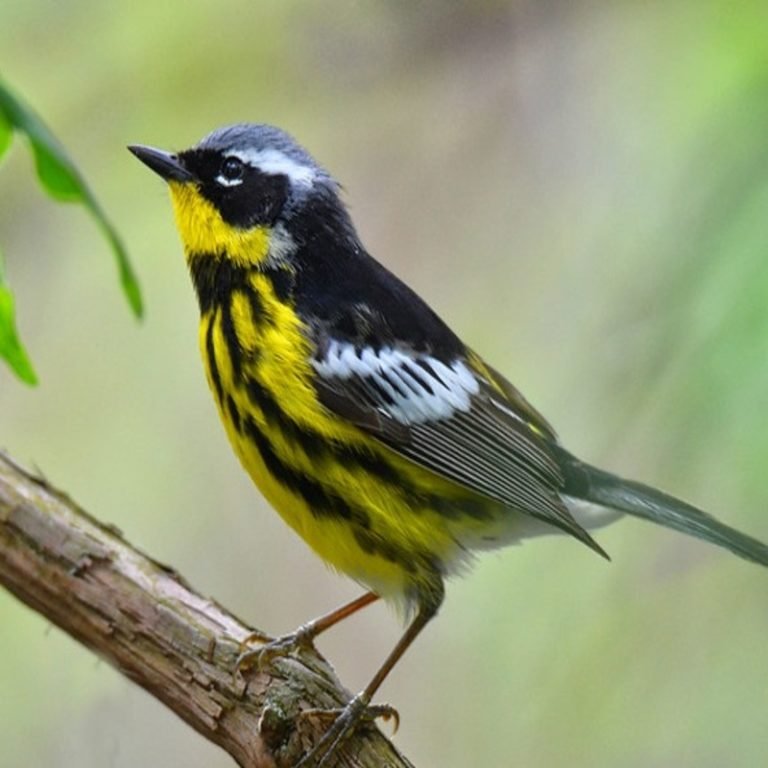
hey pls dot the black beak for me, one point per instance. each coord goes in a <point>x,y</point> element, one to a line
<point>164,164</point>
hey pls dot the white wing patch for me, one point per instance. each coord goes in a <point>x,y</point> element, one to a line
<point>273,161</point>
<point>412,389</point>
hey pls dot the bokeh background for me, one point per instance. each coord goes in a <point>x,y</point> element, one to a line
<point>581,188</point>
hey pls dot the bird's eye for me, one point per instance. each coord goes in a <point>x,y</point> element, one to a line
<point>232,170</point>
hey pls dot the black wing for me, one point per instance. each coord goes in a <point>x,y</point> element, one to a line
<point>456,418</point>
<point>386,362</point>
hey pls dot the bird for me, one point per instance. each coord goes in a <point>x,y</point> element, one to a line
<point>390,446</point>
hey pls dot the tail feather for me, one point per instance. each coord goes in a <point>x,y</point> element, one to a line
<point>589,483</point>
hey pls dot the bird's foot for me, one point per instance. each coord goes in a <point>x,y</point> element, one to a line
<point>269,649</point>
<point>344,721</point>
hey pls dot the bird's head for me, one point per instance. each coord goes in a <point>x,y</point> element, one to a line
<point>235,192</point>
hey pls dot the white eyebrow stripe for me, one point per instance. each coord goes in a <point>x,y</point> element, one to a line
<point>273,161</point>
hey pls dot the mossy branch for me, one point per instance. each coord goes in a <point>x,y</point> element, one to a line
<point>141,617</point>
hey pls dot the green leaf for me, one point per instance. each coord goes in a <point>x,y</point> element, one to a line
<point>6,134</point>
<point>62,181</point>
<point>11,348</point>
<point>57,173</point>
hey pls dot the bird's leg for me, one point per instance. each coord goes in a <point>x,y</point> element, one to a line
<point>301,638</point>
<point>359,709</point>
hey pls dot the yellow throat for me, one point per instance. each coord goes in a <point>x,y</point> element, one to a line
<point>203,230</point>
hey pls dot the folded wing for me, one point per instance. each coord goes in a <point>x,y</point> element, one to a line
<point>454,417</point>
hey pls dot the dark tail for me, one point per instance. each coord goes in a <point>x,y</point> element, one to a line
<point>583,481</point>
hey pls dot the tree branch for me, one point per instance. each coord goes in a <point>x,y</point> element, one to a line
<point>141,617</point>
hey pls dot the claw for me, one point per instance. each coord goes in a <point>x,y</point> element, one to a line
<point>266,653</point>
<point>386,712</point>
<point>257,636</point>
<point>344,723</point>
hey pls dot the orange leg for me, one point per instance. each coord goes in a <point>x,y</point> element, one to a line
<point>302,637</point>
<point>360,708</point>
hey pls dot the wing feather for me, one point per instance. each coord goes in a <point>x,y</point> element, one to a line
<point>459,420</point>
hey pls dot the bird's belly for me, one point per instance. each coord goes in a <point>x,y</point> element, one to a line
<point>329,526</point>
<point>372,515</point>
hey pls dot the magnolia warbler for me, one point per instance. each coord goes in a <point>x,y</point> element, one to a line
<point>384,441</point>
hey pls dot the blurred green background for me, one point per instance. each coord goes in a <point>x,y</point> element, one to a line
<point>581,189</point>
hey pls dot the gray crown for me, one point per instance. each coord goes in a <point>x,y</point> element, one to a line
<point>259,138</point>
